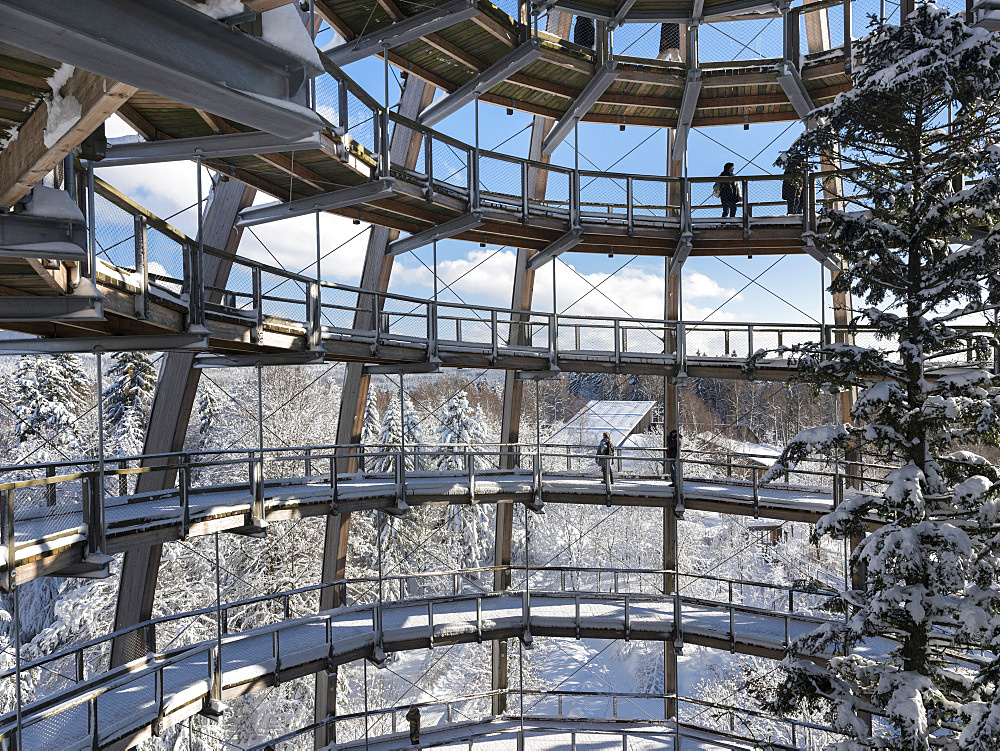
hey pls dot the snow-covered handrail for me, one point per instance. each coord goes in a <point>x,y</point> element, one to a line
<point>638,617</point>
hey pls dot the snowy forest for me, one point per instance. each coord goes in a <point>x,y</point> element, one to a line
<point>896,422</point>
<point>52,417</point>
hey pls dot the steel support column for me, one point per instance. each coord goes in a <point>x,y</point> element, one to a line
<point>168,421</point>
<point>513,389</point>
<point>671,421</point>
<point>404,149</point>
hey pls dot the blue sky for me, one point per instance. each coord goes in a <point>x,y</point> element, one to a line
<point>720,289</point>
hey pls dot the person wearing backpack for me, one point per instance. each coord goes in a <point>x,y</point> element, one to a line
<point>727,192</point>
<point>604,452</point>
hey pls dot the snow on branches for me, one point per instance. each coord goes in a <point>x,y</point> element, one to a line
<point>48,394</point>
<point>127,400</point>
<point>916,222</point>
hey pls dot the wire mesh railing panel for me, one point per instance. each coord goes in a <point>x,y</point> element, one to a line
<point>360,122</point>
<point>709,341</point>
<point>638,40</point>
<point>763,731</point>
<point>838,32</point>
<point>523,331</point>
<point>114,231</point>
<point>501,180</point>
<point>339,307</point>
<point>48,511</point>
<point>404,318</point>
<point>585,335</point>
<point>557,191</point>
<point>765,198</point>
<point>238,293</point>
<point>327,98</point>
<point>166,261</point>
<point>603,197</point>
<point>461,326</point>
<point>750,40</point>
<point>44,680</point>
<point>649,338</point>
<point>450,165</point>
<point>283,297</point>
<point>59,730</point>
<point>704,204</point>
<point>654,199</point>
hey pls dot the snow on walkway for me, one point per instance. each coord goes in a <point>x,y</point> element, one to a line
<point>41,531</point>
<point>124,705</point>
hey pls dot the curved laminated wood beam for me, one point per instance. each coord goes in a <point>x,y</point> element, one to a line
<point>404,148</point>
<point>169,416</point>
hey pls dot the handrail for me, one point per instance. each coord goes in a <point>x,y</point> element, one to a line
<point>560,695</point>
<point>446,574</point>
<point>430,310</point>
<point>46,705</point>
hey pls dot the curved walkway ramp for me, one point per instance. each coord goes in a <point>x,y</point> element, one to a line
<point>64,525</point>
<point>142,698</point>
<point>559,734</point>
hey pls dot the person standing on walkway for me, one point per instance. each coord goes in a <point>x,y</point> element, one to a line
<point>673,451</point>
<point>728,192</point>
<point>604,452</point>
<point>793,188</point>
<point>413,717</point>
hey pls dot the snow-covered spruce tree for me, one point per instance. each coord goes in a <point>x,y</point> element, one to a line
<point>209,413</point>
<point>396,428</point>
<point>922,251</point>
<point>127,400</point>
<point>469,527</point>
<point>48,395</point>
<point>460,430</point>
<point>371,426</point>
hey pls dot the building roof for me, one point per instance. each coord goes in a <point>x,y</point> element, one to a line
<point>619,418</point>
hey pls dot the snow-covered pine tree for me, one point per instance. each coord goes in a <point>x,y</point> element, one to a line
<point>371,426</point>
<point>48,396</point>
<point>460,429</point>
<point>209,413</point>
<point>921,248</point>
<point>391,435</point>
<point>468,526</point>
<point>127,400</point>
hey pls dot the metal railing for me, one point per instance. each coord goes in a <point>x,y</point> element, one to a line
<point>257,296</point>
<point>287,610</point>
<point>62,504</point>
<point>442,714</point>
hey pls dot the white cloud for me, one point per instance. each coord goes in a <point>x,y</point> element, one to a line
<point>698,285</point>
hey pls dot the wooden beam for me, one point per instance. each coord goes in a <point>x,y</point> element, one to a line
<point>335,21</point>
<point>262,5</point>
<point>27,159</point>
<point>486,23</point>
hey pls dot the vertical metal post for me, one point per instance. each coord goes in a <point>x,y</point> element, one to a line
<point>258,502</point>
<point>848,38</point>
<point>474,172</point>
<point>217,688</point>
<point>384,151</point>
<point>141,268</point>
<point>15,591</point>
<point>91,224</point>
<point>524,192</point>
<point>312,36</point>
<point>380,521</point>
<point>629,205</point>
<point>319,252</point>
<point>95,534</point>
<point>196,285</point>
